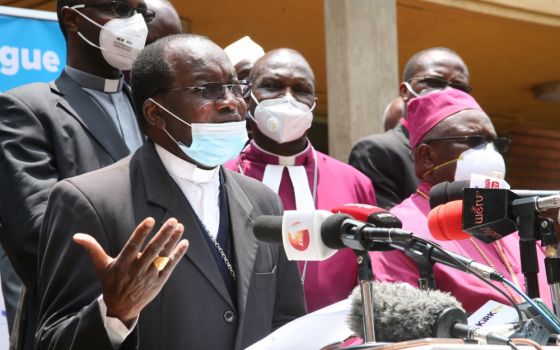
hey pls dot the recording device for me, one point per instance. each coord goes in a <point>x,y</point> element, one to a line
<point>339,231</point>
<point>445,222</point>
<point>404,313</point>
<point>373,215</point>
<point>316,235</point>
<point>487,213</point>
<point>483,213</point>
<point>369,213</point>
<point>449,191</point>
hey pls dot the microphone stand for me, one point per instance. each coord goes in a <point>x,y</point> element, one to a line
<point>527,220</point>
<point>551,261</point>
<point>425,266</point>
<point>365,275</point>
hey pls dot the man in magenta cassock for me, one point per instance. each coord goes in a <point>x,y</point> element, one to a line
<point>444,134</point>
<point>281,156</point>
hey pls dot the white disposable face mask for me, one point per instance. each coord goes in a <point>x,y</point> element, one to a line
<point>120,39</point>
<point>282,119</point>
<point>483,160</point>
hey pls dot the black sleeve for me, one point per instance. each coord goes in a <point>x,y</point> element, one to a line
<point>68,287</point>
<point>375,161</point>
<point>27,174</point>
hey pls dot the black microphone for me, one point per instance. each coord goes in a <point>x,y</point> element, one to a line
<point>340,231</point>
<point>402,313</point>
<point>336,231</point>
<point>372,215</point>
<point>446,191</point>
<point>487,213</point>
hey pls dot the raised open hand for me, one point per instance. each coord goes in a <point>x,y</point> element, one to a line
<point>132,280</point>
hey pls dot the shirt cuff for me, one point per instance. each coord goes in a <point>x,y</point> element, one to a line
<point>116,330</point>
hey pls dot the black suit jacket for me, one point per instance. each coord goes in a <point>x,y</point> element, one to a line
<point>387,160</point>
<point>190,312</point>
<point>48,132</point>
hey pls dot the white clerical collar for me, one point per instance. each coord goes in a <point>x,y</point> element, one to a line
<point>94,82</point>
<point>283,160</point>
<point>181,168</point>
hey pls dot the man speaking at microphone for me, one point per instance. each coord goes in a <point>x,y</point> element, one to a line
<point>282,157</point>
<point>228,290</point>
<point>452,138</point>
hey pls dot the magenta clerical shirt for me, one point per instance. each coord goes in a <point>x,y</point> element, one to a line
<point>332,280</point>
<point>470,291</point>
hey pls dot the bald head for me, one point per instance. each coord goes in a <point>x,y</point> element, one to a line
<point>166,21</point>
<point>283,60</point>
<point>434,69</point>
<point>434,57</point>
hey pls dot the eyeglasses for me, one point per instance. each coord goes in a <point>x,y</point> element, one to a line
<point>122,9</point>
<point>217,91</point>
<point>438,83</point>
<point>501,144</point>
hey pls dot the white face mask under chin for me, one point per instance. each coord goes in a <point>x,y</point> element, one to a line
<point>120,39</point>
<point>282,119</point>
<point>483,160</point>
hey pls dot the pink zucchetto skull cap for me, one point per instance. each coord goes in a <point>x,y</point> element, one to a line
<point>426,111</point>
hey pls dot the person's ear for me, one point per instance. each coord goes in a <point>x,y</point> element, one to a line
<point>68,18</point>
<point>403,92</point>
<point>423,158</point>
<point>152,114</point>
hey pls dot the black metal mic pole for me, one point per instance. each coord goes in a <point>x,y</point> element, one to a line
<point>551,260</point>
<point>425,266</point>
<point>527,221</point>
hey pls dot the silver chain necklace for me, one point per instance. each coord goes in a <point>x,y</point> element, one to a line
<point>218,248</point>
<point>224,257</point>
<point>315,171</point>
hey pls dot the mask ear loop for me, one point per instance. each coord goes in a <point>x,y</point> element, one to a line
<point>80,6</point>
<point>249,110</point>
<point>171,113</point>
<point>74,8</point>
<point>410,90</point>
<point>441,166</point>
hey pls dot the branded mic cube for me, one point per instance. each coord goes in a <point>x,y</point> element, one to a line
<point>487,213</point>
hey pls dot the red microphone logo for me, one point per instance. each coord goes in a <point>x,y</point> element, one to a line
<point>298,235</point>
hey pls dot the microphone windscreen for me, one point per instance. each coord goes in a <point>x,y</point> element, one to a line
<point>446,191</point>
<point>268,228</point>
<point>331,230</point>
<point>445,222</point>
<point>401,312</point>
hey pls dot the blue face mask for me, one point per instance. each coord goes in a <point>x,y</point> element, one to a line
<point>212,144</point>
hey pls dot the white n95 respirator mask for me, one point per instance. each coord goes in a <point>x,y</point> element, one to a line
<point>120,39</point>
<point>282,119</point>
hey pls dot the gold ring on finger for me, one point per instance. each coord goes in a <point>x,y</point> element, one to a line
<point>160,262</point>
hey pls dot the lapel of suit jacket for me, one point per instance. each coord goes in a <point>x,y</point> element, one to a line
<point>164,192</point>
<point>93,118</point>
<point>244,241</point>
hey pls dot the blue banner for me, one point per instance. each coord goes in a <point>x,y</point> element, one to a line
<point>31,50</point>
